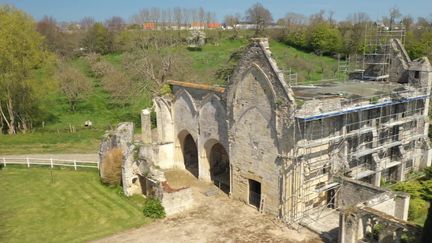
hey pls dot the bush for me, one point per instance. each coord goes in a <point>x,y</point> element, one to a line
<point>428,173</point>
<point>153,209</point>
<point>101,69</point>
<point>417,208</point>
<point>120,87</point>
<point>111,167</point>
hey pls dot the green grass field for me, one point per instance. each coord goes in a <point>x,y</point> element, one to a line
<point>70,206</point>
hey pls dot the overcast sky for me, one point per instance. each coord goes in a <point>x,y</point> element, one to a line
<point>69,10</point>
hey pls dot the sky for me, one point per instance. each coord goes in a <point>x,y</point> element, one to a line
<point>74,10</point>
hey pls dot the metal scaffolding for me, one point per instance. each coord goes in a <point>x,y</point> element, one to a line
<point>377,51</point>
<point>357,143</point>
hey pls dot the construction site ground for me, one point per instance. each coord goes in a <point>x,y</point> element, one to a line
<point>214,218</point>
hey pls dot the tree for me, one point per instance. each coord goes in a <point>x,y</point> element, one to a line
<point>97,39</point>
<point>325,39</point>
<point>74,85</point>
<point>115,24</point>
<point>21,51</point>
<point>292,20</point>
<point>196,39</point>
<point>48,27</point>
<point>232,21</point>
<point>394,14</point>
<point>119,86</point>
<point>151,68</point>
<point>86,23</point>
<point>259,16</point>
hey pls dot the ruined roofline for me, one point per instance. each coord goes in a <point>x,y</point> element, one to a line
<point>265,46</point>
<point>197,86</point>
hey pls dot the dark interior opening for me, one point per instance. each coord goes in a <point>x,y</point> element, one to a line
<point>190,155</point>
<point>417,74</point>
<point>331,195</point>
<point>219,167</point>
<point>254,193</point>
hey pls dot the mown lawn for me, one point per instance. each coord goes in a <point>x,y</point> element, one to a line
<point>70,206</point>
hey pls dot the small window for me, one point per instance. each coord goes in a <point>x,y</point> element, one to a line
<point>417,74</point>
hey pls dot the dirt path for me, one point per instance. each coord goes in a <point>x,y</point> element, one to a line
<point>215,218</point>
<point>84,157</point>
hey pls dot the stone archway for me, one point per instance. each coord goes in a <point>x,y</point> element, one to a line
<point>219,167</point>
<point>190,155</point>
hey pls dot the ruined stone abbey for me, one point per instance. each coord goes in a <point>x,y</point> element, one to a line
<point>298,151</point>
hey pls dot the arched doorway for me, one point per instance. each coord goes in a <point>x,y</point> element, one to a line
<point>190,155</point>
<point>219,167</point>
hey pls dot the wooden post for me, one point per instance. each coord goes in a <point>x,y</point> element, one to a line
<point>4,162</point>
<point>28,162</point>
<point>75,165</point>
<point>51,161</point>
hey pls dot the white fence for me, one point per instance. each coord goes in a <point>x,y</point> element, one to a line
<point>50,162</point>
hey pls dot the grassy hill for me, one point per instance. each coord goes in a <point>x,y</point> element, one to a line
<point>55,136</point>
<point>42,205</point>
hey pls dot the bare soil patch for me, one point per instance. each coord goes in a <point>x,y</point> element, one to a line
<point>215,218</point>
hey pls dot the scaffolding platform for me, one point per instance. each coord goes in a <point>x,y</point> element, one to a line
<point>367,151</point>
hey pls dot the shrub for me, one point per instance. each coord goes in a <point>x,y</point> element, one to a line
<point>119,86</point>
<point>111,167</point>
<point>101,69</point>
<point>428,172</point>
<point>153,209</point>
<point>417,208</point>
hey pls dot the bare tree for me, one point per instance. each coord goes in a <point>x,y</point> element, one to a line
<point>394,14</point>
<point>86,23</point>
<point>359,18</point>
<point>120,87</point>
<point>331,19</point>
<point>74,85</point>
<point>259,16</point>
<point>155,15</point>
<point>317,18</point>
<point>232,21</point>
<point>201,15</point>
<point>48,27</point>
<point>407,22</point>
<point>115,24</point>
<point>294,20</point>
<point>178,17</point>
<point>150,68</point>
<point>211,17</point>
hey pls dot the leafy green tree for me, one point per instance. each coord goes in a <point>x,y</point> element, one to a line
<point>325,39</point>
<point>298,38</point>
<point>419,44</point>
<point>97,39</point>
<point>21,52</point>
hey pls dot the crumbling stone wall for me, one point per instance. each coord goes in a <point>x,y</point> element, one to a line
<point>213,129</point>
<point>399,61</point>
<point>260,110</point>
<point>122,138</point>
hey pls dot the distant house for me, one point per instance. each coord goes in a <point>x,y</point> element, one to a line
<point>197,26</point>
<point>214,25</point>
<point>149,26</point>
